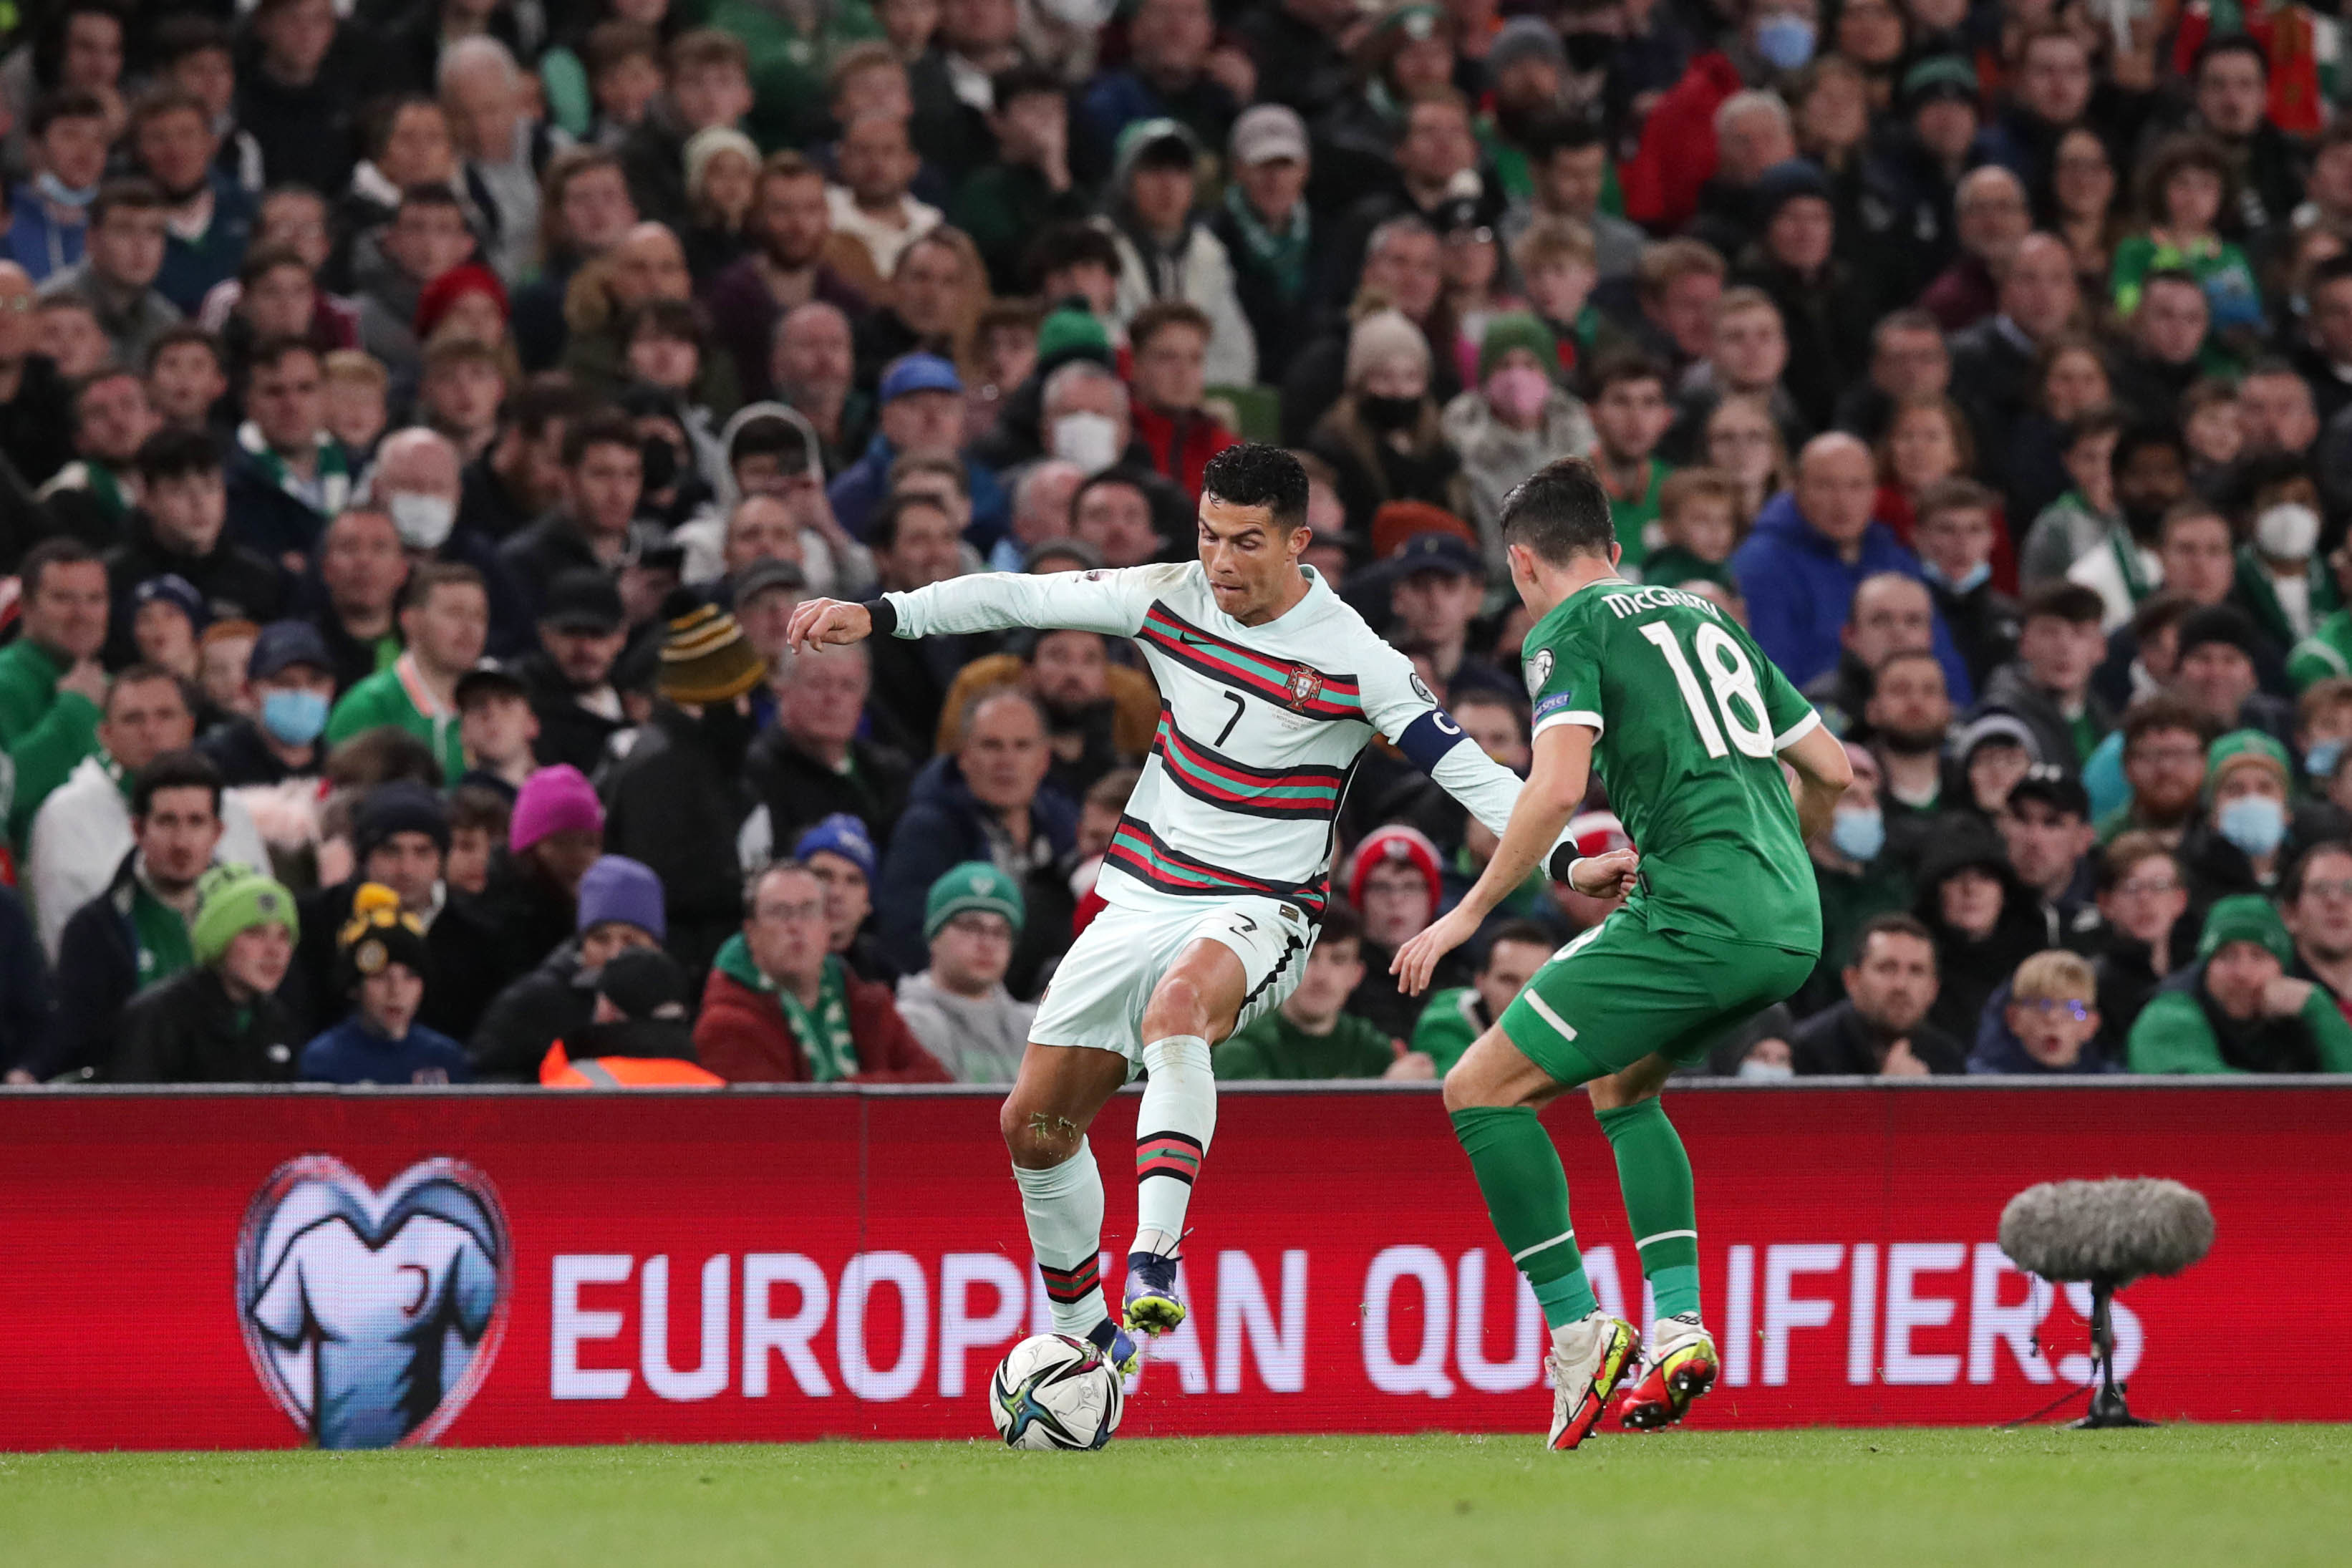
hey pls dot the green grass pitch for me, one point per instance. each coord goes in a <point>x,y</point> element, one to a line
<point>2268,1495</point>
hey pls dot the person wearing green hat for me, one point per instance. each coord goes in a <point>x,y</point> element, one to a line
<point>1912,175</point>
<point>1517,418</point>
<point>959,1008</point>
<point>1166,252</point>
<point>2238,1011</point>
<point>2241,846</point>
<point>220,1022</point>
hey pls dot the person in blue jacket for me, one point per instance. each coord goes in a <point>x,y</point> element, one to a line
<point>1811,548</point>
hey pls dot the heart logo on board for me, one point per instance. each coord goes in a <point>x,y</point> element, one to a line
<point>372,1316</point>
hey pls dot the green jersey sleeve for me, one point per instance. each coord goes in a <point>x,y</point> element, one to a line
<point>1563,674</point>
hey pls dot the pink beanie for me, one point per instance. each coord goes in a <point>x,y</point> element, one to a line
<point>554,800</point>
<point>1398,842</point>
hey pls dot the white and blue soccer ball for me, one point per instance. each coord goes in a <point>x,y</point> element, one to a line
<point>1054,1392</point>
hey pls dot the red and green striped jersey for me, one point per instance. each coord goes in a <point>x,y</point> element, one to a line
<point>1260,727</point>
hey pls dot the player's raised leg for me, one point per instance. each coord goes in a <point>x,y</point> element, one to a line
<point>1493,1095</point>
<point>1196,1002</point>
<point>1654,1173</point>
<point>1044,1120</point>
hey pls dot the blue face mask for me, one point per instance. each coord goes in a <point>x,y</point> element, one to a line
<point>1784,40</point>
<point>65,195</point>
<point>1859,835</point>
<point>2320,761</point>
<point>293,717</point>
<point>1969,581</point>
<point>2254,823</point>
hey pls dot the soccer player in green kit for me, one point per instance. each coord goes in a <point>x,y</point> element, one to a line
<point>1688,725</point>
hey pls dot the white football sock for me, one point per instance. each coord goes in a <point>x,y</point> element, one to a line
<point>1173,1129</point>
<point>1064,1206</point>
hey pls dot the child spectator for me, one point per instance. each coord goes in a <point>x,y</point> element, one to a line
<point>356,386</point>
<point>1311,1035</point>
<point>480,816</point>
<point>2048,684</point>
<point>2045,1021</point>
<point>497,727</point>
<point>221,1021</point>
<point>382,967</point>
<point>186,378</point>
<point>1557,268</point>
<point>1699,525</point>
<point>959,1008</point>
<point>1456,1017</point>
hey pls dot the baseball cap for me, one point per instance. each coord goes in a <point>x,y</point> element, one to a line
<point>488,674</point>
<point>918,372</point>
<point>764,575</point>
<point>285,643</point>
<point>172,589</point>
<point>583,600</point>
<point>2054,788</point>
<point>1996,729</point>
<point>1437,552</point>
<point>1268,131</point>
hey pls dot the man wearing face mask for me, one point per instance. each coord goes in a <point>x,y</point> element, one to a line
<point>50,214</point>
<point>678,801</point>
<point>419,482</point>
<point>293,687</point>
<point>2250,832</point>
<point>2282,580</point>
<point>1857,878</point>
<point>1515,420</point>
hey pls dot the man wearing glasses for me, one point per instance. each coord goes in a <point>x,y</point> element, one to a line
<point>2318,902</point>
<point>780,1008</point>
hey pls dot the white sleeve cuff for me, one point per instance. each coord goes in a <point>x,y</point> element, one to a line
<point>1590,720</point>
<point>1796,731</point>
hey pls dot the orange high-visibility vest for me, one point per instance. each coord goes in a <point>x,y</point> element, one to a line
<point>560,1071</point>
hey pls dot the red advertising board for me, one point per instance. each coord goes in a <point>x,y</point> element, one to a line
<point>262,1269</point>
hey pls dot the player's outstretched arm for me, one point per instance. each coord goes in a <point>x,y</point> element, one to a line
<point>823,623</point>
<point>1555,788</point>
<point>1824,774</point>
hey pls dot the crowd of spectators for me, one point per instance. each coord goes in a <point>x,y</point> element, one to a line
<point>419,418</point>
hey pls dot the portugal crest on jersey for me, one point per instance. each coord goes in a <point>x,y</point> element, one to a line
<point>1306,685</point>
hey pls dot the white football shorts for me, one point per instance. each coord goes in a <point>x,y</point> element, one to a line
<point>1097,994</point>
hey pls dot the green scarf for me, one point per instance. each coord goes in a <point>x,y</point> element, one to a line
<point>335,479</point>
<point>106,490</point>
<point>822,1030</point>
<point>1282,255</point>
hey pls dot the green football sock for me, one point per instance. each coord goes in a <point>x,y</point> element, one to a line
<point>1655,1175</point>
<point>1527,1197</point>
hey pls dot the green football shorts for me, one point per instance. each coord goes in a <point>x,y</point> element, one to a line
<point>1620,992</point>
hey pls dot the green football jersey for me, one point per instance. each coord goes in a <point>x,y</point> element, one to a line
<point>1690,718</point>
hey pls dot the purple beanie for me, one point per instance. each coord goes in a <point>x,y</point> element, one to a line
<point>619,888</point>
<point>554,800</point>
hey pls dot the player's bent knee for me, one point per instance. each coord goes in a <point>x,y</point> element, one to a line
<point>1038,1140</point>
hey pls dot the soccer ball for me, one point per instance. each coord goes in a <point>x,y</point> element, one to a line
<point>1054,1392</point>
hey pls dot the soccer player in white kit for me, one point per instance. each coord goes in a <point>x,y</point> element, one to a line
<point>1270,687</point>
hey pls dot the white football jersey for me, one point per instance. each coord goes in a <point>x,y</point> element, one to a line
<point>1260,727</point>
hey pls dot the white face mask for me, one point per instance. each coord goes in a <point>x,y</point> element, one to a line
<point>422,521</point>
<point>1089,440</point>
<point>2287,532</point>
<point>1766,1072</point>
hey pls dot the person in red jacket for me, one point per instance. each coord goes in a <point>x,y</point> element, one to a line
<point>1170,342</point>
<point>778,1008</point>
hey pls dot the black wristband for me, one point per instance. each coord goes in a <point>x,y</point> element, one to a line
<point>1562,858</point>
<point>886,617</point>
